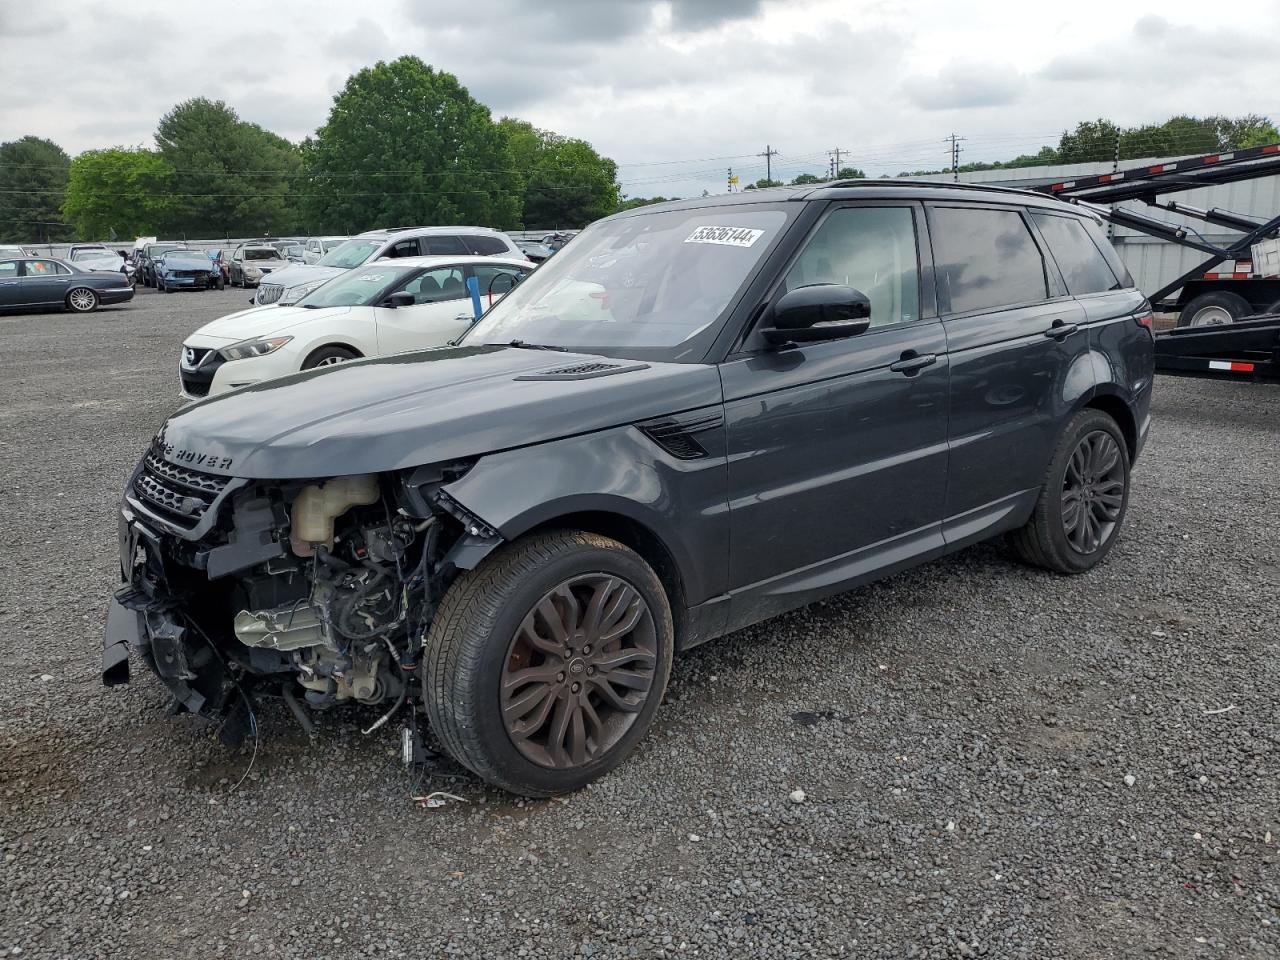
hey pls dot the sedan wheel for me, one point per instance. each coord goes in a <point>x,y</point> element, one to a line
<point>1093,492</point>
<point>82,300</point>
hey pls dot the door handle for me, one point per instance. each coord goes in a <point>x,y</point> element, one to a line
<point>912,362</point>
<point>1060,330</point>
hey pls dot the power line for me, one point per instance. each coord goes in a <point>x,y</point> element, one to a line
<point>769,154</point>
<point>955,154</point>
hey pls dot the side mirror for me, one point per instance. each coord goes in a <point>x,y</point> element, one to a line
<point>401,298</point>
<point>822,311</point>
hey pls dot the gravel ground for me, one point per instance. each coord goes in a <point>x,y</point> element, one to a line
<point>994,761</point>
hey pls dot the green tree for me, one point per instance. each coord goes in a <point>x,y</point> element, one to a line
<point>1250,130</point>
<point>630,203</point>
<point>33,176</point>
<point>407,144</point>
<point>1090,140</point>
<point>806,178</point>
<point>566,184</point>
<point>231,177</point>
<point>851,173</point>
<point>762,184</point>
<point>118,192</point>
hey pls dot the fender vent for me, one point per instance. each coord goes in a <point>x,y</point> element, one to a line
<point>676,434</point>
<point>584,371</point>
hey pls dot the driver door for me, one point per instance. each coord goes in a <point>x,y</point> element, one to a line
<point>441,310</point>
<point>838,449</point>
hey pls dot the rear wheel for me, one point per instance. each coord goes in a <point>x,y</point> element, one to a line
<point>1083,498</point>
<point>82,300</point>
<point>1214,309</point>
<point>544,666</point>
<point>328,357</point>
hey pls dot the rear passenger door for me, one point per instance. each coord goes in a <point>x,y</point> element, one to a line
<point>1019,360</point>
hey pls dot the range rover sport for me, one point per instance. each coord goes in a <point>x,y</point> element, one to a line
<point>698,415</point>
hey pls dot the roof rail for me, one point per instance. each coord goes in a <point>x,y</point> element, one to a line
<point>939,184</point>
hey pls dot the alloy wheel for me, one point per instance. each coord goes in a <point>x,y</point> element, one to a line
<point>81,300</point>
<point>1093,492</point>
<point>578,671</point>
<point>331,361</point>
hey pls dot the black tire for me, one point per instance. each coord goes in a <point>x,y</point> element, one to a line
<point>1208,309</point>
<point>328,356</point>
<point>160,285</point>
<point>1045,540</point>
<point>82,300</point>
<point>468,649</point>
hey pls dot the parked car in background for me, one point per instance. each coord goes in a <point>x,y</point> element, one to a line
<point>185,270</point>
<point>292,284</point>
<point>144,262</point>
<point>47,282</point>
<point>381,308</point>
<point>249,264</point>
<point>317,247</point>
<point>696,416</point>
<point>100,258</point>
<point>11,250</point>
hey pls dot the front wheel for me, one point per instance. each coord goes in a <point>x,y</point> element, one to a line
<point>82,300</point>
<point>544,666</point>
<point>1083,499</point>
<point>328,357</point>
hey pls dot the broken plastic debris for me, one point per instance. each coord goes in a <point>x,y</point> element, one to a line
<point>438,799</point>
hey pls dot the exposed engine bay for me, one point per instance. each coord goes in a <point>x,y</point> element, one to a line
<point>318,592</point>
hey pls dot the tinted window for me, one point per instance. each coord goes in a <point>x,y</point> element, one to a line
<point>442,247</point>
<point>404,248</point>
<point>872,249</point>
<point>1081,263</point>
<point>8,268</point>
<point>445,283</point>
<point>1109,253</point>
<point>985,258</point>
<point>486,246</point>
<point>497,280</point>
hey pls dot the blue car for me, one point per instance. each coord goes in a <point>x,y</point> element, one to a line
<point>186,270</point>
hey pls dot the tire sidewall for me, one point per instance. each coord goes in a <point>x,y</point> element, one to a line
<point>486,708</point>
<point>313,361</point>
<point>1084,423</point>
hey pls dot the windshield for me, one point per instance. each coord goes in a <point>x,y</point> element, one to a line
<point>358,288</point>
<point>641,287</point>
<point>94,255</point>
<point>185,256</point>
<point>269,254</point>
<point>154,252</point>
<point>350,254</point>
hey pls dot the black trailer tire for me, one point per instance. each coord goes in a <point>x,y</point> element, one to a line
<point>477,660</point>
<point>1213,309</point>
<point>1100,497</point>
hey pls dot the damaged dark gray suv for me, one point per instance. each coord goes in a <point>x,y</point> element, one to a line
<point>696,416</point>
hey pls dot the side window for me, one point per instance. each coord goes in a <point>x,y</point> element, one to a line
<point>45,268</point>
<point>1081,262</point>
<point>872,249</point>
<point>402,248</point>
<point>436,286</point>
<point>443,247</point>
<point>985,258</point>
<point>8,269</point>
<point>486,246</point>
<point>1109,253</point>
<point>497,280</point>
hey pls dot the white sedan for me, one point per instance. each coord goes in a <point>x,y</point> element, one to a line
<point>381,308</point>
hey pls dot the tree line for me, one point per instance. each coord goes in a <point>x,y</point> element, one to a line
<point>404,144</point>
<point>1103,140</point>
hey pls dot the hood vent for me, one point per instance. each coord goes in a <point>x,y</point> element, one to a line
<point>584,371</point>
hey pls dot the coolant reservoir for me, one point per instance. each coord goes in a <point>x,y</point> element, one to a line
<point>318,505</point>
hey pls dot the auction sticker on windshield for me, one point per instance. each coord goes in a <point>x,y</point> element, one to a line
<point>371,277</point>
<point>728,236</point>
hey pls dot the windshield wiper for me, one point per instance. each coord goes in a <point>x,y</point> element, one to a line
<point>522,345</point>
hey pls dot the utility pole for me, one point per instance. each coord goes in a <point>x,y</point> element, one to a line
<point>955,154</point>
<point>769,154</point>
<point>835,160</point>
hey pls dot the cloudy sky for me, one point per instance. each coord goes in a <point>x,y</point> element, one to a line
<point>674,90</point>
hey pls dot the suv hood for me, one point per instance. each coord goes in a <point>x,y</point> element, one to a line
<point>262,322</point>
<point>409,409</point>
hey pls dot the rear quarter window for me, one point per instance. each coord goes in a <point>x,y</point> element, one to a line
<point>486,246</point>
<point>985,258</point>
<point>1083,266</point>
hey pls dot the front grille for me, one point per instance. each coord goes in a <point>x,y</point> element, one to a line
<point>194,387</point>
<point>269,292</point>
<point>179,494</point>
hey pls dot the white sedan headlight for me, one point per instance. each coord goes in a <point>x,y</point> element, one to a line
<point>294,294</point>
<point>257,347</point>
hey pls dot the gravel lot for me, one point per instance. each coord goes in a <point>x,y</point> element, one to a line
<point>995,761</point>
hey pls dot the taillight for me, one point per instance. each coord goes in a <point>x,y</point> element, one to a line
<point>1147,320</point>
